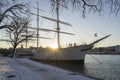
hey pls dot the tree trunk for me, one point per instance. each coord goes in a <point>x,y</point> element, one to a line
<point>14,52</point>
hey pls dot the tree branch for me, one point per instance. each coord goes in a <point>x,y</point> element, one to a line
<point>10,9</point>
<point>6,26</point>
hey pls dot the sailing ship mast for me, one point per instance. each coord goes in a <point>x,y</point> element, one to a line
<point>58,22</point>
<point>58,28</point>
<point>37,25</point>
<point>51,19</point>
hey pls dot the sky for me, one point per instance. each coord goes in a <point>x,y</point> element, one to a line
<point>84,28</point>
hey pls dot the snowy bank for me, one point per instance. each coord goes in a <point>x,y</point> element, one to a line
<point>25,69</point>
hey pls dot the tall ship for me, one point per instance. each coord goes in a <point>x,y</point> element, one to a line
<point>75,53</point>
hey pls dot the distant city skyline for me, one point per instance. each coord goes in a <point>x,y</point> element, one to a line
<point>84,28</point>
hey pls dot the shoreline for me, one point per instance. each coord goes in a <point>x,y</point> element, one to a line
<point>102,53</point>
<point>74,72</point>
<point>25,69</point>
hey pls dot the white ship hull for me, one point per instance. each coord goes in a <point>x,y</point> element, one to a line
<point>63,55</point>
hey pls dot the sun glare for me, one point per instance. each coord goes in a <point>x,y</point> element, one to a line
<point>54,46</point>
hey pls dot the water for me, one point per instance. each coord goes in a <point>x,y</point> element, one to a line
<point>104,67</point>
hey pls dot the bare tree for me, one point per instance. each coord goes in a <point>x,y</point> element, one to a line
<point>111,6</point>
<point>7,13</point>
<point>17,33</point>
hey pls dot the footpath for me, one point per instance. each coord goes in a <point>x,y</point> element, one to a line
<point>25,69</point>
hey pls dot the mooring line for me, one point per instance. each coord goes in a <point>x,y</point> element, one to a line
<point>96,59</point>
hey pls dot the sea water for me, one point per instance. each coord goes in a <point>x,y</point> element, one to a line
<point>104,67</point>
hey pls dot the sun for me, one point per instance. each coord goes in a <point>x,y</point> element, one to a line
<point>54,46</point>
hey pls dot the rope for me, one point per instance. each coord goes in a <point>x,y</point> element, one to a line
<point>80,38</point>
<point>96,59</point>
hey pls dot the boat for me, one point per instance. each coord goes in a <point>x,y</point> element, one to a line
<point>74,54</point>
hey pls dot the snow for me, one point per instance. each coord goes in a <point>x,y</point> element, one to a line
<point>25,69</point>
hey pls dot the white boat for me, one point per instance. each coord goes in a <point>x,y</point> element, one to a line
<point>69,54</point>
<point>74,54</point>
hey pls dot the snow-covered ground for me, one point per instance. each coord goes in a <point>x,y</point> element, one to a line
<point>25,69</point>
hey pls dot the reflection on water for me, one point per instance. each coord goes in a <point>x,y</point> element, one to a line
<point>105,67</point>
